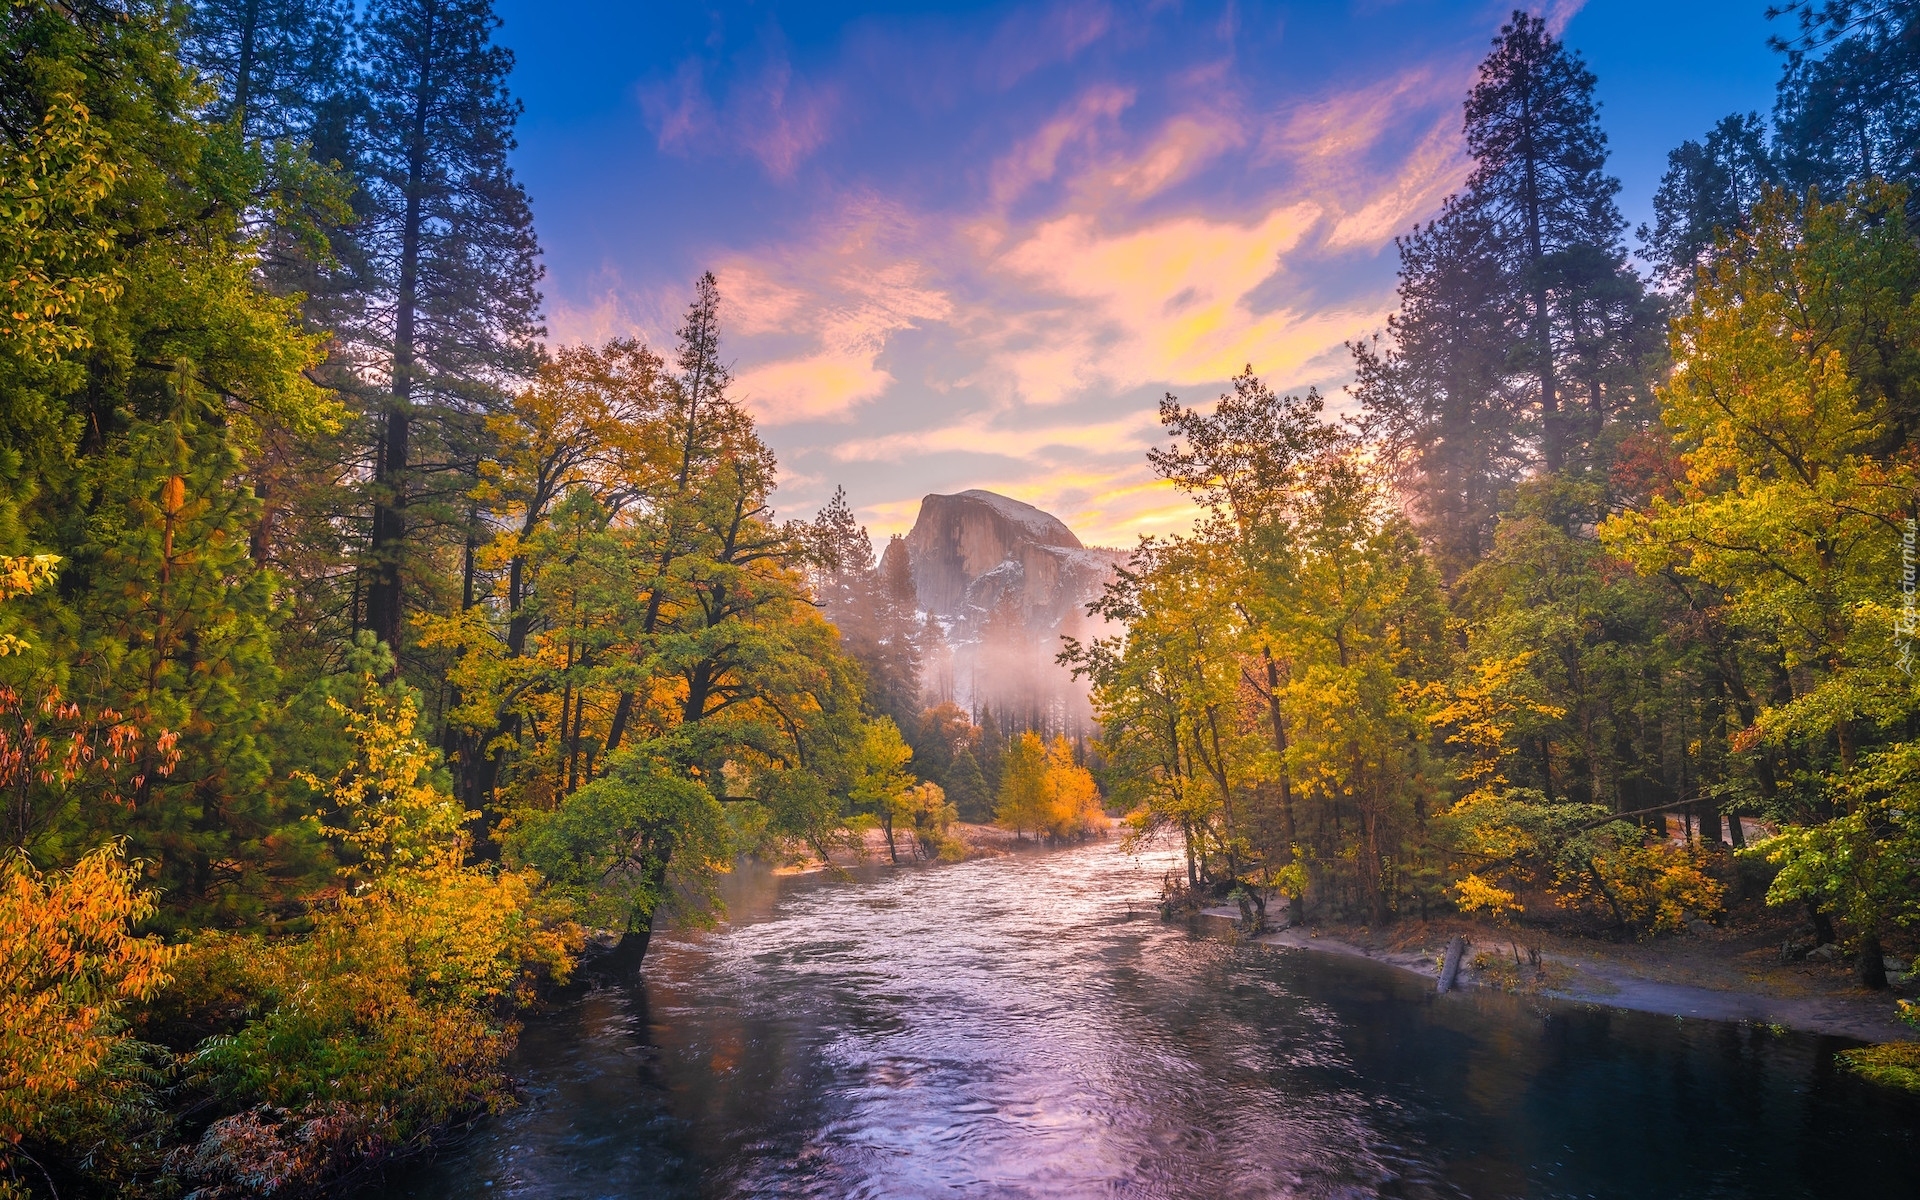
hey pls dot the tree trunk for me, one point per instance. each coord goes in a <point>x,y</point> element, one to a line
<point>1822,925</point>
<point>1869,965</point>
<point>384,597</point>
<point>1296,904</point>
<point>243,73</point>
<point>1450,966</point>
<point>626,958</point>
<point>1708,814</point>
<point>1551,451</point>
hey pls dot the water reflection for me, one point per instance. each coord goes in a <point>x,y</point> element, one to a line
<point>1002,1028</point>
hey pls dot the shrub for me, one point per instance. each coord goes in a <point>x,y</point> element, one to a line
<point>68,965</point>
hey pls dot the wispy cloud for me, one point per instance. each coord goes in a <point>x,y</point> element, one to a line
<point>1134,202</point>
<point>826,311</point>
<point>1037,158</point>
<point>1027,42</point>
<point>764,110</point>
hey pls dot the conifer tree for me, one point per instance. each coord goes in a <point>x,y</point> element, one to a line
<point>1541,186</point>
<point>171,625</point>
<point>280,67</point>
<point>125,424</point>
<point>1523,335</point>
<point>967,788</point>
<point>876,625</point>
<point>1707,191</point>
<point>454,307</point>
<point>1435,389</point>
<point>1848,105</point>
<point>896,573</point>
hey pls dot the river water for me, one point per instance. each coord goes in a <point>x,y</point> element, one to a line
<point>1027,1026</point>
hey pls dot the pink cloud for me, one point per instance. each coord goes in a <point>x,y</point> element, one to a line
<point>1029,42</point>
<point>1164,302</point>
<point>829,307</point>
<point>768,114</point>
<point>1037,158</point>
<point>1184,144</point>
<point>1131,277</point>
<point>1435,167</point>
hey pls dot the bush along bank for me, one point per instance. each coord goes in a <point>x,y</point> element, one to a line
<point>289,1064</point>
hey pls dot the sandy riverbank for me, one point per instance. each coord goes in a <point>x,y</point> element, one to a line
<point>1722,975</point>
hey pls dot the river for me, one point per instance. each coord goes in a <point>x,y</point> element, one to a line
<point>1027,1027</point>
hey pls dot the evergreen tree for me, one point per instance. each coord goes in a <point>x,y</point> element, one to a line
<point>285,86</point>
<point>993,747</point>
<point>1540,184</point>
<point>453,310</point>
<point>967,788</point>
<point>896,574</point>
<point>280,67</point>
<point>1848,106</point>
<point>1435,391</point>
<point>170,624</point>
<point>1705,196</point>
<point>154,362</point>
<point>877,627</point>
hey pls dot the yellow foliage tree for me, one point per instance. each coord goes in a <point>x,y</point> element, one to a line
<point>1072,800</point>
<point>387,807</point>
<point>1044,791</point>
<point>1022,803</point>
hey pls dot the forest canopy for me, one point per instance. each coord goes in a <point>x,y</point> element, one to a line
<point>364,653</point>
<point>1596,549</point>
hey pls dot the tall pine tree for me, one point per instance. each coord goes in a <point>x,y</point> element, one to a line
<point>1709,188</point>
<point>453,317</point>
<point>1848,106</point>
<point>1523,334</point>
<point>281,67</point>
<point>1540,183</point>
<point>871,604</point>
<point>1435,388</point>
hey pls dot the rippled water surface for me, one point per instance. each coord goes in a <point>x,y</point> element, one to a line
<point>1027,1027</point>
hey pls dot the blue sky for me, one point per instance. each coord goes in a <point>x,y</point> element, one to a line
<point>972,246</point>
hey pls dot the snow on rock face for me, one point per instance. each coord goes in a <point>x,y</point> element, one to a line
<point>1038,526</point>
<point>974,551</point>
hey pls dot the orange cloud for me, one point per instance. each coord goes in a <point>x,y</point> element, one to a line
<point>1168,302</point>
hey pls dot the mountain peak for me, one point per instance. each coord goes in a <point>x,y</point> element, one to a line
<point>975,549</point>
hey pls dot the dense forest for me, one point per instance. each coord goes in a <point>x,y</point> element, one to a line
<point>1598,546</point>
<point>360,651</point>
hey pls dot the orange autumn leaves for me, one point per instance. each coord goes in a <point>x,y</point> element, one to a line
<point>1044,792</point>
<point>67,965</point>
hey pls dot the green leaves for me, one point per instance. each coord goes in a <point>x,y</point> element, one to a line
<point>608,846</point>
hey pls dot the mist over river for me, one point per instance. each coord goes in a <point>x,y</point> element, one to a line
<point>1027,1026</point>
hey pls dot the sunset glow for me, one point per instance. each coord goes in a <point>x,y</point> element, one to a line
<point>974,249</point>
